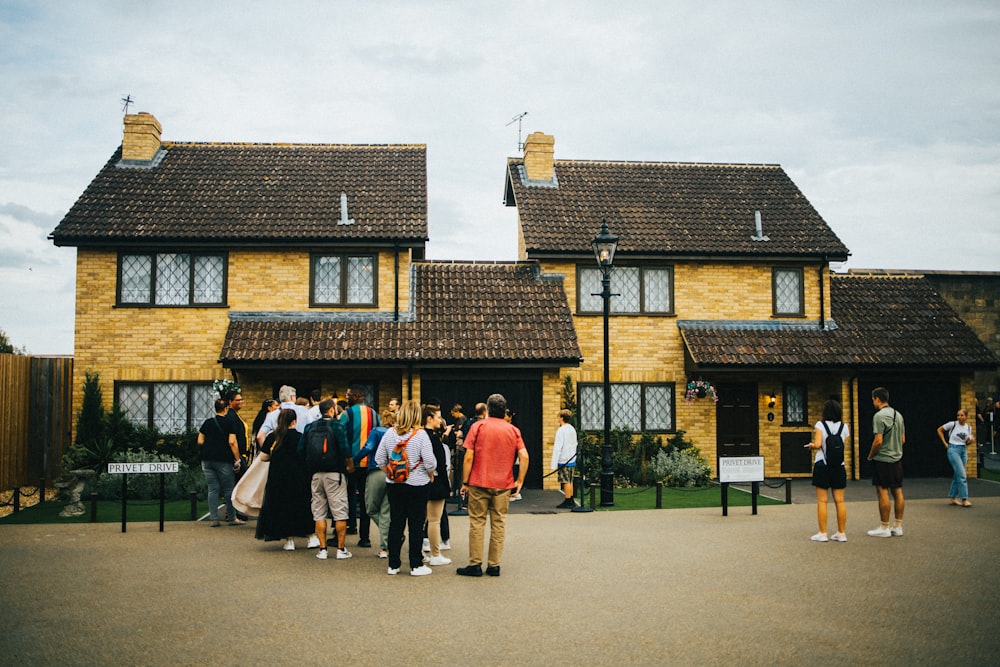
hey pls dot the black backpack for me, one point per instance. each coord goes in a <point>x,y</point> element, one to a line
<point>325,448</point>
<point>833,452</point>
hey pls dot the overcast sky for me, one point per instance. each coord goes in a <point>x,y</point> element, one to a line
<point>885,114</point>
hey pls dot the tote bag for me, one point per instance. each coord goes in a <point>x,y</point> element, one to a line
<point>248,494</point>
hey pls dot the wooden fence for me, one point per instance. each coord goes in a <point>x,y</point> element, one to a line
<point>36,417</point>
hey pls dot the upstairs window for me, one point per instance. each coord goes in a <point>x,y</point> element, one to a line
<point>639,290</point>
<point>342,280</point>
<point>788,293</point>
<point>171,279</point>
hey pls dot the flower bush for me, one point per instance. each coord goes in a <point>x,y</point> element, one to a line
<point>226,388</point>
<point>700,389</point>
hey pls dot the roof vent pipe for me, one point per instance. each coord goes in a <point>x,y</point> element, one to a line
<point>344,220</point>
<point>759,236</point>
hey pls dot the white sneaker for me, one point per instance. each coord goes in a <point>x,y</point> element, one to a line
<point>421,571</point>
<point>426,546</point>
<point>322,555</point>
<point>820,537</point>
<point>445,546</point>
<point>439,560</point>
<point>383,554</point>
<point>880,532</point>
<point>343,554</point>
<point>392,570</point>
<point>289,545</point>
<point>897,531</point>
<point>313,542</point>
<point>839,537</point>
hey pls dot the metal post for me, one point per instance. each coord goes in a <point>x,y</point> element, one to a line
<point>41,490</point>
<point>788,491</point>
<point>659,495</point>
<point>93,507</point>
<point>17,499</point>
<point>607,473</point>
<point>725,499</point>
<point>124,496</point>
<point>194,506</point>
<point>754,492</point>
<point>163,478</point>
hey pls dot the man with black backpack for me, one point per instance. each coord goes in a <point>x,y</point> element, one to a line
<point>328,459</point>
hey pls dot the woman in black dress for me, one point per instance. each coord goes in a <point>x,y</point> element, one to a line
<point>286,511</point>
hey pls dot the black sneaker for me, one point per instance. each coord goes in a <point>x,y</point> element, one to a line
<point>566,504</point>
<point>470,571</point>
<point>364,543</point>
<point>352,531</point>
<point>493,570</point>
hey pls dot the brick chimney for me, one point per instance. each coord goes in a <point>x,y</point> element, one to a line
<point>539,151</point>
<point>142,137</point>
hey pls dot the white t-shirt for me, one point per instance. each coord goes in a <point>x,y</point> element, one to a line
<point>833,426</point>
<point>959,434</point>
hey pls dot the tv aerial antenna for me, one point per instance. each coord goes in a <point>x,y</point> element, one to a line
<point>127,101</point>
<point>517,119</point>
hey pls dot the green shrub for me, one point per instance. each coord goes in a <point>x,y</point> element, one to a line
<point>681,467</point>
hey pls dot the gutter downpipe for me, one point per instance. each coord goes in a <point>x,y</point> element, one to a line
<point>822,295</point>
<point>395,252</point>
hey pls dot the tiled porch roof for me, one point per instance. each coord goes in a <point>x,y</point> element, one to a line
<point>885,322</point>
<point>464,312</point>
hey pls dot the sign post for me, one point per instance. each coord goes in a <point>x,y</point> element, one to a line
<point>737,469</point>
<point>125,469</point>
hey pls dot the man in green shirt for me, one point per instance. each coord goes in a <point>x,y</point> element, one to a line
<point>886,456</point>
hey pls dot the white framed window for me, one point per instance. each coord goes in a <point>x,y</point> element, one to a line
<point>170,407</point>
<point>639,407</point>
<point>787,291</point>
<point>343,280</point>
<point>171,279</point>
<point>638,289</point>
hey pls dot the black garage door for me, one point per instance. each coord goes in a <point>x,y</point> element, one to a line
<point>925,403</point>
<point>523,391</point>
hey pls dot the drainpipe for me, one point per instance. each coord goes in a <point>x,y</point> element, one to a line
<point>395,313</point>
<point>854,427</point>
<point>822,295</point>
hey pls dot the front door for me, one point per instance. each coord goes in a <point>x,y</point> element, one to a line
<point>737,430</point>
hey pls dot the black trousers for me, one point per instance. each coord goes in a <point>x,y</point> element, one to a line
<point>407,511</point>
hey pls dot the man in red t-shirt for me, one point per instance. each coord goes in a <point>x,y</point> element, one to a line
<point>487,479</point>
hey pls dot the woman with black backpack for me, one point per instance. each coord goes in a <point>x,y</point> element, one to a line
<point>829,472</point>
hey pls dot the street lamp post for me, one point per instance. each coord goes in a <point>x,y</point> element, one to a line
<point>605,244</point>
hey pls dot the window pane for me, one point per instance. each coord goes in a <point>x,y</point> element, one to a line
<point>208,279</point>
<point>170,407</point>
<point>360,280</point>
<point>134,402</point>
<point>787,291</point>
<point>626,406</point>
<point>202,404</point>
<point>173,279</point>
<point>590,284</point>
<point>624,283</point>
<point>327,276</point>
<point>659,408</point>
<point>657,290</point>
<point>136,278</point>
<point>591,408</point>
<point>795,404</point>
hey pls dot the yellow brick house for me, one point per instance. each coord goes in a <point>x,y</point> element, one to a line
<point>298,264</point>
<point>722,274</point>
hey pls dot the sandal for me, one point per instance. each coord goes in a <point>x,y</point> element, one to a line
<point>966,503</point>
<point>954,501</point>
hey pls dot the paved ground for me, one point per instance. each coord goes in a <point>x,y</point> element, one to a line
<point>642,587</point>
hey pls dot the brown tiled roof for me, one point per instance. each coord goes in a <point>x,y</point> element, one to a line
<point>463,313</point>
<point>885,322</point>
<point>670,209</point>
<point>196,192</point>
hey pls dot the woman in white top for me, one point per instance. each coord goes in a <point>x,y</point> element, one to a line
<point>955,435</point>
<point>829,477</point>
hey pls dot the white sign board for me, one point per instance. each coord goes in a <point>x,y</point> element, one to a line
<point>134,468</point>
<point>741,469</point>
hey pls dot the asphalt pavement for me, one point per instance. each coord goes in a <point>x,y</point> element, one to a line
<point>681,586</point>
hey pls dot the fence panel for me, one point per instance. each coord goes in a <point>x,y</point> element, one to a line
<point>36,417</point>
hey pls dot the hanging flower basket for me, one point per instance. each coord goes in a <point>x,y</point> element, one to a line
<point>226,388</point>
<point>700,389</point>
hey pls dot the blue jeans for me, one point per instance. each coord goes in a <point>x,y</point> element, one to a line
<point>219,475</point>
<point>957,457</point>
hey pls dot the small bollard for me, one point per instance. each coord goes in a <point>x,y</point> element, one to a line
<point>17,499</point>
<point>593,502</point>
<point>659,495</point>
<point>93,507</point>
<point>788,491</point>
<point>194,506</point>
<point>41,490</point>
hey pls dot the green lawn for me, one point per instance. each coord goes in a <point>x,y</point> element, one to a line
<point>108,511</point>
<point>645,498</point>
<point>992,475</point>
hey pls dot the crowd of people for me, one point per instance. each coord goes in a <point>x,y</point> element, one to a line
<point>341,460</point>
